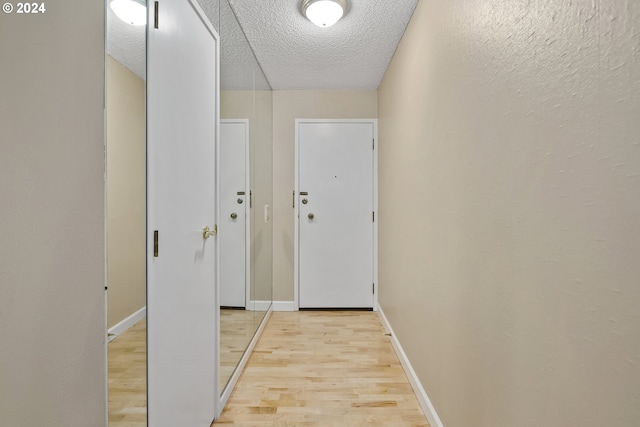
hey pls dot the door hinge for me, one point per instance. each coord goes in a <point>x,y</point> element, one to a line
<point>155,243</point>
<point>373,288</point>
<point>293,199</point>
<point>373,144</point>
<point>373,216</point>
<point>155,14</point>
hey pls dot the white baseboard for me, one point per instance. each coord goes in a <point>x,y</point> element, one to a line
<point>125,324</point>
<point>284,306</point>
<point>423,399</point>
<point>259,305</point>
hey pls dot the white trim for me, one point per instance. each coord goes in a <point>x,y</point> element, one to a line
<point>224,397</point>
<point>284,306</point>
<point>120,327</point>
<point>296,221</point>
<point>217,404</point>
<point>421,394</point>
<point>375,209</point>
<point>258,305</point>
<point>296,214</point>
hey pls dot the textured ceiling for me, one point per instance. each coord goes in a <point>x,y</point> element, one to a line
<point>292,52</point>
<point>126,44</point>
<point>296,54</point>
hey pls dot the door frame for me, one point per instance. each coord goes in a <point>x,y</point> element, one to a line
<point>296,206</point>
<point>247,210</point>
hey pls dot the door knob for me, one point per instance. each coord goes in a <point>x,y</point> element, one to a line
<point>234,215</point>
<point>240,201</point>
<point>207,232</point>
<point>305,201</point>
<point>311,216</point>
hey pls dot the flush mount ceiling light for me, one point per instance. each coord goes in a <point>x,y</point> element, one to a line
<point>324,13</point>
<point>132,12</point>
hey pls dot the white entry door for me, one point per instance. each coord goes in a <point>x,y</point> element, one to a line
<point>234,210</point>
<point>335,199</point>
<point>182,116</point>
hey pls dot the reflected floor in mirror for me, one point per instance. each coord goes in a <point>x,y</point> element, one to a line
<point>236,331</point>
<point>323,368</point>
<point>127,365</point>
<point>127,378</point>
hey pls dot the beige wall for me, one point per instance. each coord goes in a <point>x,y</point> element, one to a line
<point>288,106</point>
<point>52,300</point>
<point>257,107</point>
<point>126,192</point>
<point>510,210</point>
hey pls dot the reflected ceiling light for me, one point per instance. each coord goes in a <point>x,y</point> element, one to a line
<point>132,12</point>
<point>324,13</point>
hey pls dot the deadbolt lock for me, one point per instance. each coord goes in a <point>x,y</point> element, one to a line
<point>240,201</point>
<point>305,201</point>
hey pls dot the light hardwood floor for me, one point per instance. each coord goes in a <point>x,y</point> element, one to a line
<point>237,328</point>
<point>312,368</point>
<point>128,378</point>
<point>323,368</point>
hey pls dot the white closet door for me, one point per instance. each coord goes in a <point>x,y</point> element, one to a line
<point>182,91</point>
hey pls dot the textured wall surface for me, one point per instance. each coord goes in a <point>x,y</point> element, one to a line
<point>52,299</point>
<point>510,210</point>
<point>126,192</point>
<point>288,106</point>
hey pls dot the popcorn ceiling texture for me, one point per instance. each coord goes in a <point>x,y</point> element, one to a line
<point>296,54</point>
<point>126,44</point>
<point>293,52</point>
<point>238,67</point>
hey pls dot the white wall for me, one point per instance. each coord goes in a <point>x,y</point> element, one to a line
<point>52,306</point>
<point>288,106</point>
<point>510,210</point>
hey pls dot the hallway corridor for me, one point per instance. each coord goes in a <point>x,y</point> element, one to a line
<point>323,368</point>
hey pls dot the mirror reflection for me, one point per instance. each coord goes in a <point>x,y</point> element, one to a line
<point>246,120</point>
<point>126,221</point>
<point>246,193</point>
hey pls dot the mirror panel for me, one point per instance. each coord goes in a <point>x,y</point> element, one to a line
<point>126,221</point>
<point>246,95</point>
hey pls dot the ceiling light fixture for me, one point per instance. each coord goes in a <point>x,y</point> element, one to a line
<point>324,13</point>
<point>132,12</point>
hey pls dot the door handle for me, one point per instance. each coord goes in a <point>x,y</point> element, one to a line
<point>311,216</point>
<point>207,232</point>
<point>234,215</point>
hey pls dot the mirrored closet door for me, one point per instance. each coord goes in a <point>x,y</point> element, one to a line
<point>126,217</point>
<point>246,195</point>
<point>244,206</point>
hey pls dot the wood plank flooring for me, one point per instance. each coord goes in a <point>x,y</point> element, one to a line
<point>128,378</point>
<point>237,328</point>
<point>309,369</point>
<point>323,368</point>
